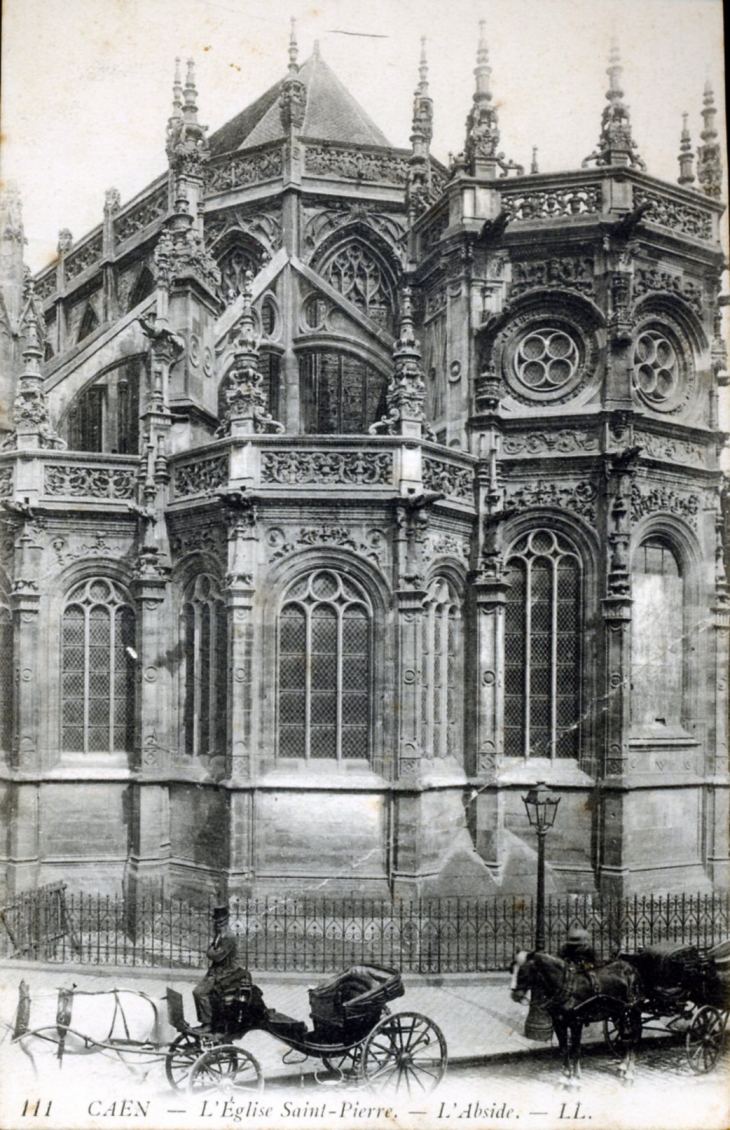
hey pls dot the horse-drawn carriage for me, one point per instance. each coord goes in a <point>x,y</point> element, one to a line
<point>353,1034</point>
<point>687,989</point>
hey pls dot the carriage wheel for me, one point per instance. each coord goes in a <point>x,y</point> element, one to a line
<point>620,1031</point>
<point>345,1065</point>
<point>184,1051</point>
<point>705,1039</point>
<point>405,1052</point>
<point>225,1068</point>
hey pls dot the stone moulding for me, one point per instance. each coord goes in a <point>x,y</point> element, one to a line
<point>544,204</point>
<point>6,482</point>
<point>129,223</point>
<point>327,468</point>
<point>668,213</point>
<point>578,498</point>
<point>663,500</point>
<point>238,171</point>
<point>69,480</point>
<point>554,443</point>
<point>355,164</point>
<point>86,256</point>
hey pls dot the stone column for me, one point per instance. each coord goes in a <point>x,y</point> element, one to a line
<point>718,801</point>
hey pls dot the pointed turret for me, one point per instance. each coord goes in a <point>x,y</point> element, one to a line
<point>616,145</point>
<point>418,189</point>
<point>32,425</point>
<point>293,97</point>
<point>12,241</point>
<point>406,391</point>
<point>481,156</point>
<point>686,156</point>
<point>245,412</point>
<point>709,158</point>
<point>187,147</point>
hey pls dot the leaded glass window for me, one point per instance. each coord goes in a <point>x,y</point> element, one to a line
<point>360,277</point>
<point>97,669</point>
<point>324,669</point>
<point>205,677</point>
<point>440,667</point>
<point>340,394</point>
<point>543,636</point>
<point>657,589</point>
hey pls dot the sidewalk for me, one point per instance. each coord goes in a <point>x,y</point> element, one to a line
<point>474,1011</point>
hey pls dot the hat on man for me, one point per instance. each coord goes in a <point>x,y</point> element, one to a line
<point>577,934</point>
<point>220,913</point>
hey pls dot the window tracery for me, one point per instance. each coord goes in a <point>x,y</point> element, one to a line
<point>657,589</point>
<point>357,274</point>
<point>440,671</point>
<point>205,667</point>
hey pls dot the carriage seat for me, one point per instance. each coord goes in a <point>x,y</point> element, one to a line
<point>352,1001</point>
<point>285,1026</point>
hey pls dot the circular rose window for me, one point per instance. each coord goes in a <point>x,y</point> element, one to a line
<point>657,372</point>
<point>546,363</point>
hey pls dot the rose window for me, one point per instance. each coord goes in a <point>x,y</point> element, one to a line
<point>546,362</point>
<point>656,369</point>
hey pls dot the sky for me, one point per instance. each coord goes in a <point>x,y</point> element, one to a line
<point>87,84</point>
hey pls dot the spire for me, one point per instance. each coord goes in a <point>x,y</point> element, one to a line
<point>686,173</point>
<point>177,91</point>
<point>406,390</point>
<point>293,49</point>
<point>709,159</point>
<point>418,191</point>
<point>533,164</point>
<point>616,145</point>
<point>246,413</point>
<point>293,97</point>
<point>187,147</point>
<point>31,418</point>
<point>482,125</point>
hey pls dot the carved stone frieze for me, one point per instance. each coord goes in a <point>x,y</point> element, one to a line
<point>327,467</point>
<point>71,481</point>
<point>373,545</point>
<point>136,219</point>
<point>201,477</point>
<point>241,170</point>
<point>6,482</point>
<point>670,448</point>
<point>650,279</point>
<point>355,164</point>
<point>549,204</point>
<point>579,498</point>
<point>199,539</point>
<point>448,545</point>
<point>668,213</point>
<point>101,546</point>
<point>431,234</point>
<point>664,500</point>
<point>560,443</point>
<point>447,478</point>
<point>566,273</point>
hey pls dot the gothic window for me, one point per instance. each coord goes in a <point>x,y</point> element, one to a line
<point>440,671</point>
<point>657,589</point>
<point>143,288</point>
<point>97,669</point>
<point>6,670</point>
<point>360,277</point>
<point>205,676</point>
<point>324,669</point>
<point>543,634</point>
<point>235,264</point>
<point>104,416</point>
<point>340,394</point>
<point>89,322</point>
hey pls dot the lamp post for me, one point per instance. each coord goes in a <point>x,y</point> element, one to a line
<point>542,808</point>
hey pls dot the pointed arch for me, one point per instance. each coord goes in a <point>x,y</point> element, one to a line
<point>143,288</point>
<point>89,322</point>
<point>362,267</point>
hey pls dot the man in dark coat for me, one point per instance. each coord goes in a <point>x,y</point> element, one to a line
<point>224,973</point>
<point>578,949</point>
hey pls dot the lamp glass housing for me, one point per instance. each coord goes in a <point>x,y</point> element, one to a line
<point>542,807</point>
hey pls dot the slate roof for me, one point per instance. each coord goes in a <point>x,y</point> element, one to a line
<point>332,114</point>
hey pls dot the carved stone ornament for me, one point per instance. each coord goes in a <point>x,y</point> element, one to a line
<point>545,204</point>
<point>355,164</point>
<point>650,279</point>
<point>73,481</point>
<point>579,499</point>
<point>327,467</point>
<point>293,103</point>
<point>546,358</point>
<point>664,500</point>
<point>373,546</point>
<point>238,171</point>
<point>565,273</point>
<point>663,375</point>
<point>448,479</point>
<point>559,443</point>
<point>691,219</point>
<point>204,476</point>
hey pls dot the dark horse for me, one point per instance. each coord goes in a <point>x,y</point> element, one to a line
<point>574,997</point>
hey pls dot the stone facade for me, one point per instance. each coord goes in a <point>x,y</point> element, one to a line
<point>345,496</point>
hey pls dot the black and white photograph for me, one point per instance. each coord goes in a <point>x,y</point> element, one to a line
<point>364,535</point>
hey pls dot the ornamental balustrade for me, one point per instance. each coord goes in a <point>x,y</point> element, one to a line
<point>90,479</point>
<point>234,170</point>
<point>446,935</point>
<point>449,478</point>
<point>355,164</point>
<point>84,256</point>
<point>204,475</point>
<point>327,468</point>
<point>133,219</point>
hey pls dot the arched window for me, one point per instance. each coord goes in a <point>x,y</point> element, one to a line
<point>235,263</point>
<point>657,589</point>
<point>357,273</point>
<point>340,394</point>
<point>205,674</point>
<point>104,416</point>
<point>543,636</point>
<point>441,662</point>
<point>97,669</point>
<point>6,670</point>
<point>324,669</point>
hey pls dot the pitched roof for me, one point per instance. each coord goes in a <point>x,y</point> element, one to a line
<point>332,114</point>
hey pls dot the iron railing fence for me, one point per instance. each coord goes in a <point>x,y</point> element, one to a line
<point>447,935</point>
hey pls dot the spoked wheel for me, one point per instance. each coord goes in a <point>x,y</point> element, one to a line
<point>344,1065</point>
<point>705,1039</point>
<point>225,1068</point>
<point>182,1055</point>
<point>621,1032</point>
<point>405,1052</point>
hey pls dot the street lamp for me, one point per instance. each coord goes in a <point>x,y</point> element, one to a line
<point>542,808</point>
